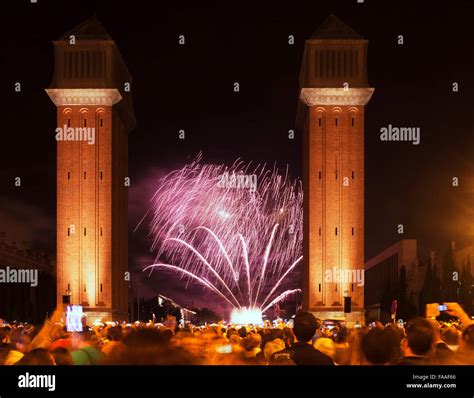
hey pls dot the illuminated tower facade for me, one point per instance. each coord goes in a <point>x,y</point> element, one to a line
<point>90,89</point>
<point>333,94</point>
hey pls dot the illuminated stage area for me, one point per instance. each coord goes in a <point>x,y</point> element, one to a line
<point>246,316</point>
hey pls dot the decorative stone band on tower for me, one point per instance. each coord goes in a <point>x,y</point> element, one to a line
<point>81,96</point>
<point>333,93</point>
<point>88,89</point>
<point>335,96</point>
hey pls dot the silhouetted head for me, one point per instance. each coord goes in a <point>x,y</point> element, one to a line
<point>62,356</point>
<point>114,333</point>
<point>305,326</point>
<point>420,336</point>
<point>379,346</point>
<point>451,336</point>
<point>20,341</point>
<point>468,337</point>
<point>38,356</point>
<point>242,332</point>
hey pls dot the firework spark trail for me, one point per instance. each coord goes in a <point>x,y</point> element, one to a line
<point>204,281</point>
<point>265,261</point>
<point>221,246</point>
<point>280,297</point>
<point>207,227</point>
<point>247,267</point>
<point>207,264</point>
<point>281,280</point>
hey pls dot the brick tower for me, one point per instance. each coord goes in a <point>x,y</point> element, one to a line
<point>94,117</point>
<point>333,93</point>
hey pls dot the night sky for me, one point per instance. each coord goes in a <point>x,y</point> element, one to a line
<point>191,87</point>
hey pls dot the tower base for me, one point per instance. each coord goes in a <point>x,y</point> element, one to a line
<point>351,318</point>
<point>104,315</point>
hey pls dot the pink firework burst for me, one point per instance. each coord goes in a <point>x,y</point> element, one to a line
<point>237,231</point>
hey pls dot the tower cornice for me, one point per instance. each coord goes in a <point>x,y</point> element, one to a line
<point>84,96</point>
<point>336,96</point>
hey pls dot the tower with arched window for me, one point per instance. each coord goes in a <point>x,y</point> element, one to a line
<point>333,93</point>
<point>90,89</point>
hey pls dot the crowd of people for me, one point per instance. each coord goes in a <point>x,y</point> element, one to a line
<point>309,342</point>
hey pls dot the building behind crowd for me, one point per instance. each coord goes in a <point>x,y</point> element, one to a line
<point>159,307</point>
<point>21,301</point>
<point>382,273</point>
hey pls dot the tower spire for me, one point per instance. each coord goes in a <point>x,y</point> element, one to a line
<point>333,28</point>
<point>90,29</point>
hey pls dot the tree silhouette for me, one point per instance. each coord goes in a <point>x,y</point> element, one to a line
<point>402,282</point>
<point>435,286</point>
<point>426,293</point>
<point>466,292</point>
<point>205,315</point>
<point>464,287</point>
<point>386,303</point>
<point>449,286</point>
<point>406,309</point>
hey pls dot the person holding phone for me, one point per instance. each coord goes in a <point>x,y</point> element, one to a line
<point>454,309</point>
